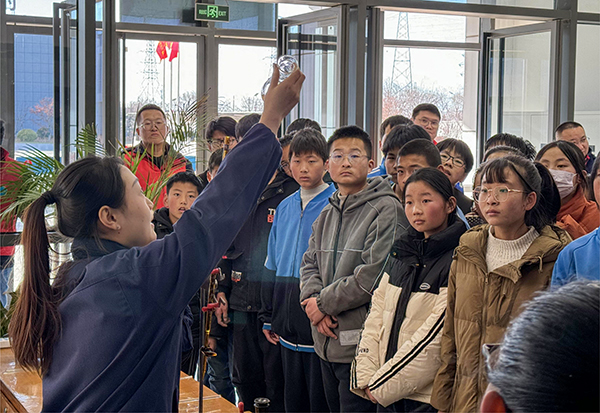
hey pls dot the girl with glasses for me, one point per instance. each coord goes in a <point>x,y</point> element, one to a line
<point>497,267</point>
<point>577,215</point>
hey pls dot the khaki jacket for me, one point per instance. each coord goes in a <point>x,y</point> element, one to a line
<point>480,307</point>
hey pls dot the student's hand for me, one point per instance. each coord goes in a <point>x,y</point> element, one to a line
<point>312,310</point>
<point>371,397</point>
<point>271,336</point>
<point>212,343</point>
<point>326,326</point>
<point>281,98</point>
<point>221,310</point>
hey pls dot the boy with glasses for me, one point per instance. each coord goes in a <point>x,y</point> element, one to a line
<point>350,241</point>
<point>457,162</point>
<point>153,155</point>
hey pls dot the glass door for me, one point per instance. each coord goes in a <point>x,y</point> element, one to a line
<point>314,39</point>
<point>518,82</point>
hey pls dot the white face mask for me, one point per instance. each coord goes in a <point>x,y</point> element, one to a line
<point>564,182</point>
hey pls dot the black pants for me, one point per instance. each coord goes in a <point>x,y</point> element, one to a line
<point>336,381</point>
<point>303,382</point>
<point>406,405</point>
<point>257,366</point>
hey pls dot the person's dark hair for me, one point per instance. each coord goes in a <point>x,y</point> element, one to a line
<point>351,132</point>
<point>392,121</point>
<point>534,177</point>
<point>429,107</point>
<point>573,154</point>
<point>593,176</point>
<point>461,148</point>
<point>215,159</point>
<point>548,361</point>
<point>309,140</point>
<point>425,148</point>
<point>184,177</point>
<point>245,124</point>
<point>1,131</point>
<point>401,134</point>
<point>437,180</point>
<point>567,125</point>
<point>149,106</point>
<point>302,123</point>
<point>223,124</point>
<point>79,192</point>
<point>286,139</point>
<point>502,148</point>
<point>507,139</point>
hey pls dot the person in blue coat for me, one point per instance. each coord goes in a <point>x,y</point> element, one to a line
<point>285,323</point>
<point>106,334</point>
<point>579,259</point>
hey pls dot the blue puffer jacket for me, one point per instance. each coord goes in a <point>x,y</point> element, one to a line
<point>288,241</point>
<point>120,342</point>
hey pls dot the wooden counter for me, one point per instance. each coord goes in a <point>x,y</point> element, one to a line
<point>22,391</point>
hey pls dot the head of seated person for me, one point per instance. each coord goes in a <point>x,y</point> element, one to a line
<point>302,123</point>
<point>548,360</point>
<point>501,151</point>
<point>507,139</point>
<point>244,125</point>
<point>575,133</point>
<point>397,137</point>
<point>457,159</point>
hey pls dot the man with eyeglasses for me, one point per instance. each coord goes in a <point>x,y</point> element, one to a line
<point>428,116</point>
<point>215,134</point>
<point>573,132</point>
<point>153,159</point>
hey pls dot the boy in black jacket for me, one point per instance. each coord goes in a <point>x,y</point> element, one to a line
<point>257,365</point>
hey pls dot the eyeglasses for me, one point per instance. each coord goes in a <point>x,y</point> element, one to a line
<point>149,124</point>
<point>427,122</point>
<point>576,141</point>
<point>500,193</point>
<point>476,192</point>
<point>459,163</point>
<point>285,164</point>
<point>220,141</point>
<point>353,158</point>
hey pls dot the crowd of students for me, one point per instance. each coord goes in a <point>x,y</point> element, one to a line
<point>347,287</point>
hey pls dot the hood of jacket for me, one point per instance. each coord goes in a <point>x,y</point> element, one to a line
<point>376,187</point>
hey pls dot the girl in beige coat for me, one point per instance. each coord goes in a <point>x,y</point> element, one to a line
<point>497,267</point>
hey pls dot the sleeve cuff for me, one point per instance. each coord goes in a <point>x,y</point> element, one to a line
<point>267,326</point>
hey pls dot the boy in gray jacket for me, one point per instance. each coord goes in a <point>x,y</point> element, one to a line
<point>342,267</point>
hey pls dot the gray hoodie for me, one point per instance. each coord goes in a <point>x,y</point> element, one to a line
<point>342,267</point>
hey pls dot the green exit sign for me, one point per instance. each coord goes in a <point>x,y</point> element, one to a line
<point>212,12</point>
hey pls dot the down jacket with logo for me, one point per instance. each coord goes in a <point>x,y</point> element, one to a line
<point>480,306</point>
<point>343,265</point>
<point>399,351</point>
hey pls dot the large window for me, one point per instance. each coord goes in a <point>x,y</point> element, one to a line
<point>242,72</point>
<point>587,82</point>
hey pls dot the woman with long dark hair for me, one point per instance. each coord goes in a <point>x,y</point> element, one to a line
<point>106,335</point>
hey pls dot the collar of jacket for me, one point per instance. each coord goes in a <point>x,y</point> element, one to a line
<point>161,216</point>
<point>412,242</point>
<point>376,187</point>
<point>275,187</point>
<point>83,248</point>
<point>575,207</point>
<point>544,249</point>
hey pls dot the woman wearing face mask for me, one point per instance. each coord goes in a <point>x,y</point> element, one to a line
<point>577,215</point>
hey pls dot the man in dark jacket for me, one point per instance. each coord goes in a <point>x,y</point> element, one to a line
<point>257,370</point>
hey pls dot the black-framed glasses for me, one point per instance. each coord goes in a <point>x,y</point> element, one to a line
<point>459,163</point>
<point>500,193</point>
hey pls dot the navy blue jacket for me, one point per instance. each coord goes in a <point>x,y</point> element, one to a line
<point>120,343</point>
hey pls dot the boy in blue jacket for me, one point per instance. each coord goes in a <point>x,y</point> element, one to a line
<point>284,319</point>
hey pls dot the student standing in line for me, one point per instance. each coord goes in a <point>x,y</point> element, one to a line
<point>106,334</point>
<point>384,130</point>
<point>579,259</point>
<point>497,268</point>
<point>347,250</point>
<point>577,215</point>
<point>399,351</point>
<point>457,162</point>
<point>285,323</point>
<point>514,141</point>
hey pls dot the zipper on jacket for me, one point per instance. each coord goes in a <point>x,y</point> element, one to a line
<point>335,248</point>
<point>483,328</point>
<point>289,310</point>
